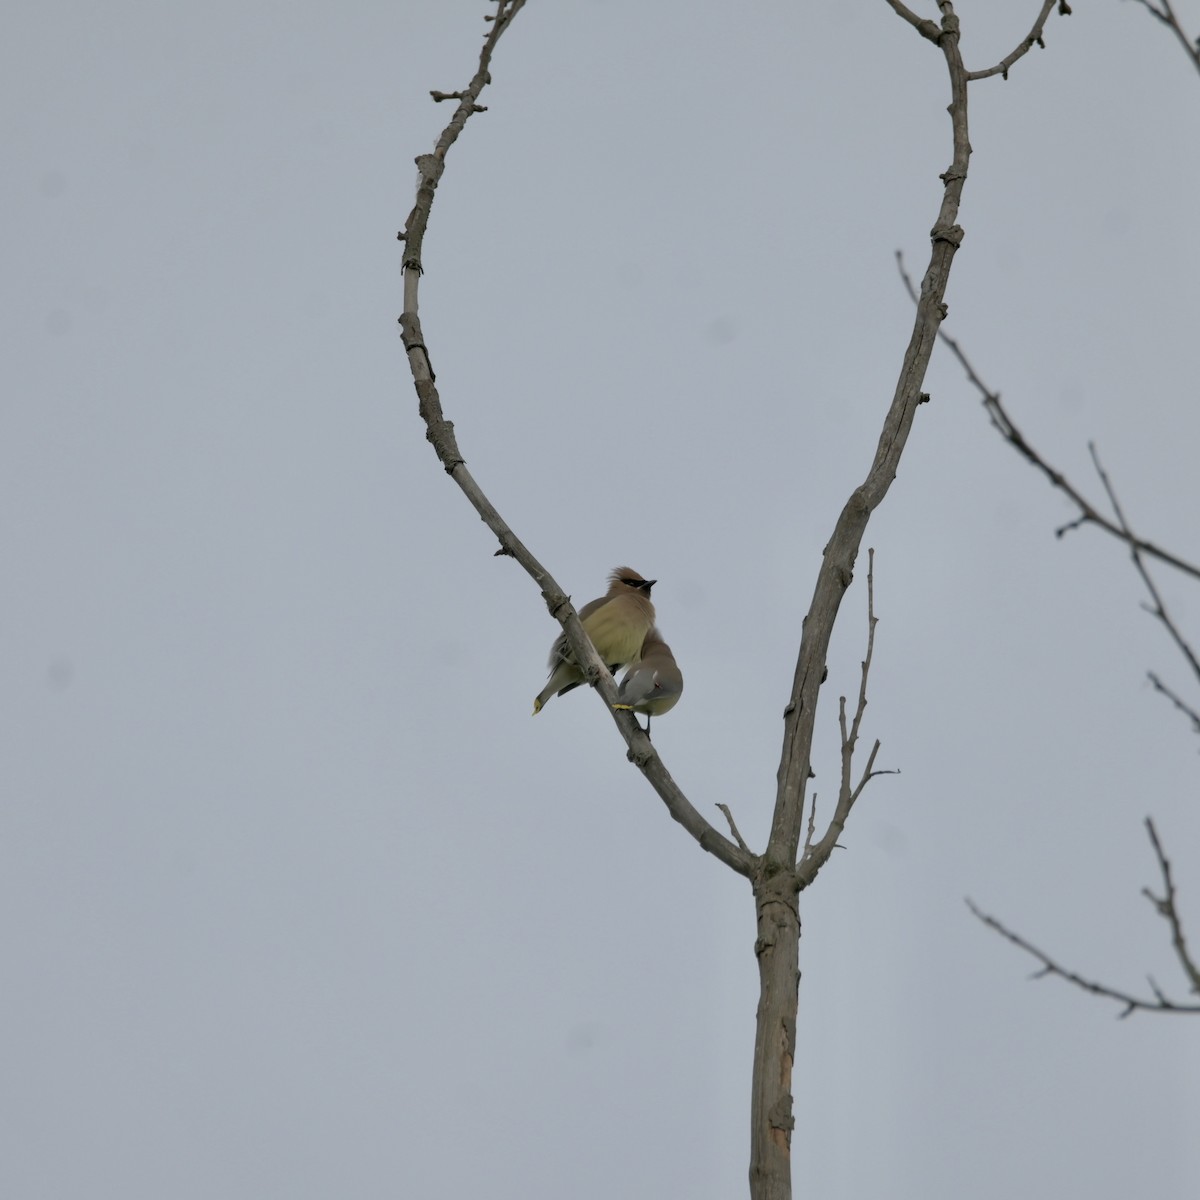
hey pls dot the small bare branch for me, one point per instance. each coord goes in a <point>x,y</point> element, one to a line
<point>1158,609</point>
<point>1166,14</point>
<point>1050,967</point>
<point>1027,43</point>
<point>870,773</point>
<point>1187,710</point>
<point>737,837</point>
<point>815,856</point>
<point>1164,905</point>
<point>872,621</point>
<point>1007,428</point>
<point>440,96</point>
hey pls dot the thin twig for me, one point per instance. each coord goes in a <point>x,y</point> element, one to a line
<point>1187,710</point>
<point>737,837</point>
<point>1159,609</point>
<point>870,773</point>
<point>1007,428</point>
<point>438,97</point>
<point>1088,513</point>
<point>872,621</point>
<point>1164,905</point>
<point>1050,967</point>
<point>1027,43</point>
<point>1167,16</point>
<point>815,856</point>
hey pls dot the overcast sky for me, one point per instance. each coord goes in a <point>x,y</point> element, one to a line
<point>296,900</point>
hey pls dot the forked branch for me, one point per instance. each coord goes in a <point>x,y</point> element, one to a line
<point>1166,908</point>
<point>1158,608</point>
<point>1165,13</point>
<point>933,32</point>
<point>1164,905</point>
<point>1088,513</point>
<point>815,856</point>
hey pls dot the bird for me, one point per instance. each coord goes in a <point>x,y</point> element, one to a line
<point>654,683</point>
<point>617,623</point>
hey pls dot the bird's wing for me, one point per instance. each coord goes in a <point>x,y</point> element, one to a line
<point>638,685</point>
<point>560,652</point>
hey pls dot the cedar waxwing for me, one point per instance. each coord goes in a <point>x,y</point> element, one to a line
<point>617,623</point>
<point>654,683</point>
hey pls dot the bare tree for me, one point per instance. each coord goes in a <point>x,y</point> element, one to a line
<point>790,861</point>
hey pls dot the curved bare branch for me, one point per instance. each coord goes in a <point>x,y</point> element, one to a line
<point>1027,43</point>
<point>1165,906</point>
<point>440,432</point>
<point>837,565</point>
<point>1007,428</point>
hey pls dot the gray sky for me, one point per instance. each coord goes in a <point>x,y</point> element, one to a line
<point>296,900</point>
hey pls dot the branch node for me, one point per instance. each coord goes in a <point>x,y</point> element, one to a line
<point>640,757</point>
<point>951,234</point>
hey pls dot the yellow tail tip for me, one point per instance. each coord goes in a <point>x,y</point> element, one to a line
<point>624,707</point>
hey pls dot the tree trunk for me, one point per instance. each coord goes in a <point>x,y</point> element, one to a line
<point>778,951</point>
